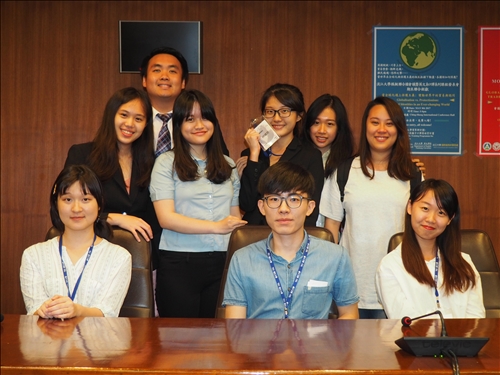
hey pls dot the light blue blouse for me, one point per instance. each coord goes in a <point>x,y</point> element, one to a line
<point>199,199</point>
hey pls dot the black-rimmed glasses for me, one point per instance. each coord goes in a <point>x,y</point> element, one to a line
<point>283,112</point>
<point>292,201</point>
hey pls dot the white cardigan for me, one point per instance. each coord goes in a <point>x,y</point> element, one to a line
<point>402,295</point>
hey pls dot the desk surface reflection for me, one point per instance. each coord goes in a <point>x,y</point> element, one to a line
<point>216,346</point>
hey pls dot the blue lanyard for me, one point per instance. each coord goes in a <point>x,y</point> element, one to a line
<point>269,152</point>
<point>436,273</point>
<point>272,344</point>
<point>65,272</point>
<point>288,300</point>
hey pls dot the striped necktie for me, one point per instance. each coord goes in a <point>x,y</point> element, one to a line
<point>164,137</point>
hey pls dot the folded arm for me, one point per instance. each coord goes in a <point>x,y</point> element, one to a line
<point>169,219</point>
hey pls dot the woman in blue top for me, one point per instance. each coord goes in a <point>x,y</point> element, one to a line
<point>194,189</point>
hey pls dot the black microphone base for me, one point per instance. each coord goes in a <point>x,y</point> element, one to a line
<point>433,346</point>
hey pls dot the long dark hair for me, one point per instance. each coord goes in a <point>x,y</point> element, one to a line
<point>289,96</point>
<point>218,168</point>
<point>458,274</point>
<point>104,156</point>
<point>400,164</point>
<point>90,184</point>
<point>342,146</point>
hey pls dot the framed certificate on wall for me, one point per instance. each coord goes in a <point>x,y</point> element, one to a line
<point>421,68</point>
<point>488,111</point>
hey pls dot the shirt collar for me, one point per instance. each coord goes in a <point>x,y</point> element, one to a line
<point>155,112</point>
<point>301,249</point>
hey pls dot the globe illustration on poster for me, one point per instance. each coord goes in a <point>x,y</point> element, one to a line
<point>418,50</point>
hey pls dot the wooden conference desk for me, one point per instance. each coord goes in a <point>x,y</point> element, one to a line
<point>216,346</point>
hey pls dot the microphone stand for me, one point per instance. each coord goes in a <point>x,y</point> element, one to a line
<point>406,321</point>
<point>437,346</point>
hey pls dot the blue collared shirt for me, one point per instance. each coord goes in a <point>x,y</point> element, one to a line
<point>250,281</point>
<point>199,199</point>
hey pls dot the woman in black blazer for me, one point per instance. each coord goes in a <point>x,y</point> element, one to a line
<point>122,156</point>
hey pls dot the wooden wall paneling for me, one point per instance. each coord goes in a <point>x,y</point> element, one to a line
<point>60,65</point>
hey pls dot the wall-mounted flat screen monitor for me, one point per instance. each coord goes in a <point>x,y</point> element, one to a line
<point>139,38</point>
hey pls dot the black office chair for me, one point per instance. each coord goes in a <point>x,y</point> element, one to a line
<point>478,245</point>
<point>248,234</point>
<point>139,300</point>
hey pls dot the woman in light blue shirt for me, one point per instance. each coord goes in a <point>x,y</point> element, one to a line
<point>194,189</point>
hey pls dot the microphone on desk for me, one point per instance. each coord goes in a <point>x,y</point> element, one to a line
<point>436,346</point>
<point>406,321</point>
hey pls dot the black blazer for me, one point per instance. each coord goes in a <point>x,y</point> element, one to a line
<point>116,198</point>
<point>297,152</point>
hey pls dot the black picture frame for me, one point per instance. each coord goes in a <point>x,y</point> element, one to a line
<point>139,38</point>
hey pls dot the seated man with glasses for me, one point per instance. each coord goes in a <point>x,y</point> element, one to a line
<point>290,274</point>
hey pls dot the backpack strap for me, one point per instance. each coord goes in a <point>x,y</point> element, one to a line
<point>343,175</point>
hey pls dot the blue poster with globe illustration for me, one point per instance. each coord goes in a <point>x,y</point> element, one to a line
<point>422,69</point>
